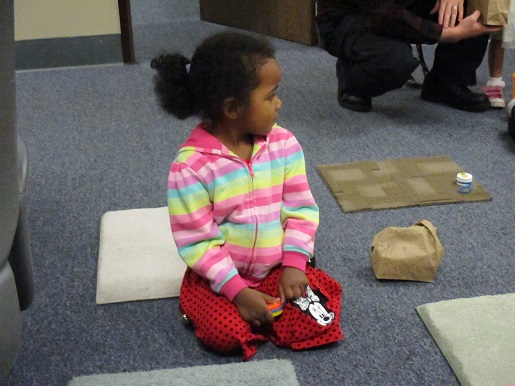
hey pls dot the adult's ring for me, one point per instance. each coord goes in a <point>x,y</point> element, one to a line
<point>455,7</point>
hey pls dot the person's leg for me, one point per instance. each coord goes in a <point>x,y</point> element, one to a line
<point>216,321</point>
<point>312,320</point>
<point>495,84</point>
<point>453,70</point>
<point>368,64</point>
<point>495,57</point>
<point>376,64</point>
<point>456,62</point>
<point>459,61</point>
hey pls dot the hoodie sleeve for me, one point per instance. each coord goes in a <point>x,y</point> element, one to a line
<point>299,212</point>
<point>198,239</point>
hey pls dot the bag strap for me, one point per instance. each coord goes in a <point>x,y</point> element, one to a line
<point>432,229</point>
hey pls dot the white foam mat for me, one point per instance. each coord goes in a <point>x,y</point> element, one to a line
<point>137,257</point>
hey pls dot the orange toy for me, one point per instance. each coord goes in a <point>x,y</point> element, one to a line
<point>276,308</point>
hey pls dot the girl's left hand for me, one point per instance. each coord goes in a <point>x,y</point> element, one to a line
<point>293,284</point>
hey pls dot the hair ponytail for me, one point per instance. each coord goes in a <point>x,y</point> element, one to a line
<point>172,85</point>
<point>224,65</point>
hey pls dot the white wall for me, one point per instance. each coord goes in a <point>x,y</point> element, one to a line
<point>48,19</point>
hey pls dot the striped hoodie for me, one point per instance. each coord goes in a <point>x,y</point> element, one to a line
<point>233,221</point>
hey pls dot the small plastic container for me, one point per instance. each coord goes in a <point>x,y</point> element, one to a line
<point>276,308</point>
<point>464,181</point>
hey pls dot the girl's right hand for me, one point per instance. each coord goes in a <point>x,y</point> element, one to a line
<point>252,306</point>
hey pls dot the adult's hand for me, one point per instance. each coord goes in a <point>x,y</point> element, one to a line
<point>450,12</point>
<point>468,28</point>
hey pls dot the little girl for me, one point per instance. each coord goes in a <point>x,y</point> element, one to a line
<point>241,210</point>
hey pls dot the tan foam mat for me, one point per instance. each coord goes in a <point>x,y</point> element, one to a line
<point>397,183</point>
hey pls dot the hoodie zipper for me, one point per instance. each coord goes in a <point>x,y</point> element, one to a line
<point>256,221</point>
<point>248,166</point>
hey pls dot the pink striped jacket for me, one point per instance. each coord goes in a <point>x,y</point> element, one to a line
<point>233,220</point>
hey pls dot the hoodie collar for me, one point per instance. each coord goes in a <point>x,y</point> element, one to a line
<point>204,142</point>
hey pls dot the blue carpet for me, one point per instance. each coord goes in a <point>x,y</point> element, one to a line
<point>99,142</point>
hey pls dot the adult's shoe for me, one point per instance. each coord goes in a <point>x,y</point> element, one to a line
<point>455,95</point>
<point>347,100</point>
<point>354,103</point>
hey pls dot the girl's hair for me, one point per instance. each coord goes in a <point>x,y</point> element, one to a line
<point>224,65</point>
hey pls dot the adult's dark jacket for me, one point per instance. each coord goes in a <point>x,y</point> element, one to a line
<point>392,18</point>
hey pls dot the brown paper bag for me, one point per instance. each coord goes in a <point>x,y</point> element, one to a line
<point>493,12</point>
<point>412,253</point>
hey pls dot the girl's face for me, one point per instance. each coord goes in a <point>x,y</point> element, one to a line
<point>261,113</point>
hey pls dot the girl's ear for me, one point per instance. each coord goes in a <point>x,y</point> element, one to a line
<point>230,108</point>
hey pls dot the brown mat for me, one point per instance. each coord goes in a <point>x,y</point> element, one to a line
<point>397,183</point>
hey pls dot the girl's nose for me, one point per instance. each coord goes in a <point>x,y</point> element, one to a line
<point>278,104</point>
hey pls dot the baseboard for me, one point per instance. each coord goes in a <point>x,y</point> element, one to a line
<point>68,52</point>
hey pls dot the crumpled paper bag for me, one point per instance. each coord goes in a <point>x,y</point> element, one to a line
<point>493,12</point>
<point>412,253</point>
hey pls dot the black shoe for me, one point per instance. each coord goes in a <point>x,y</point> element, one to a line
<point>354,103</point>
<point>346,99</point>
<point>455,95</point>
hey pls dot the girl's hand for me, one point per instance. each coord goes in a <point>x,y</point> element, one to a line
<point>252,306</point>
<point>293,284</point>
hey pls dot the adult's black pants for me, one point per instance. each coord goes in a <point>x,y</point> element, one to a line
<point>371,64</point>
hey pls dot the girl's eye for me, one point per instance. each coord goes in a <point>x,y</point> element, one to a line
<point>271,97</point>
